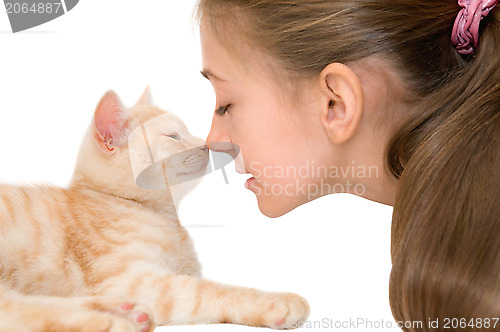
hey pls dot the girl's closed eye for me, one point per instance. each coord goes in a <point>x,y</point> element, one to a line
<point>221,111</point>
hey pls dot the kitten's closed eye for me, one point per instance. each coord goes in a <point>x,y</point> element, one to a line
<point>174,136</point>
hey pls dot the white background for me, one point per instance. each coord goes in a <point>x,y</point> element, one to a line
<point>334,251</point>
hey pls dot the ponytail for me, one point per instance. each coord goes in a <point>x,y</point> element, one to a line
<point>446,221</point>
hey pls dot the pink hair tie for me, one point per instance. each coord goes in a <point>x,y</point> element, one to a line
<point>465,36</point>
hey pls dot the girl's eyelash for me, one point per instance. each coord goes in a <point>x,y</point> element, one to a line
<point>222,110</point>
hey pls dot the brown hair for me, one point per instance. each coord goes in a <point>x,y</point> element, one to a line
<point>446,155</point>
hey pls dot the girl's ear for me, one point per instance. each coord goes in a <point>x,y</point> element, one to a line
<point>110,121</point>
<point>343,102</point>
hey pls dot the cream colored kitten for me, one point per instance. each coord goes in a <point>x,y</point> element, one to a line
<point>85,257</point>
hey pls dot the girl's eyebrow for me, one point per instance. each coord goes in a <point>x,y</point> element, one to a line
<point>209,75</point>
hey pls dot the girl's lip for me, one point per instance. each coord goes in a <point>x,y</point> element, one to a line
<point>249,182</point>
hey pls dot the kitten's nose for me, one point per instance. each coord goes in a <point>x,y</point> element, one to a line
<point>204,148</point>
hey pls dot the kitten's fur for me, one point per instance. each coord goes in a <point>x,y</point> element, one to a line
<point>77,259</point>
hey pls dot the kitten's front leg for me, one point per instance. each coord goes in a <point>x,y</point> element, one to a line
<point>188,300</point>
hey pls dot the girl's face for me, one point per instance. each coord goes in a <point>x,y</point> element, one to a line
<point>282,146</point>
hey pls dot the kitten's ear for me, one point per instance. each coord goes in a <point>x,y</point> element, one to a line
<point>145,99</point>
<point>110,121</point>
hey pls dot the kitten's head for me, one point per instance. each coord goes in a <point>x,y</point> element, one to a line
<point>111,156</point>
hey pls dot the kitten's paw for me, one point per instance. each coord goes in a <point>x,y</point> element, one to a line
<point>135,321</point>
<point>140,316</point>
<point>286,311</point>
<point>114,324</point>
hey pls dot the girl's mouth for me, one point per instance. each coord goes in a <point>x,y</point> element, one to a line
<point>249,182</point>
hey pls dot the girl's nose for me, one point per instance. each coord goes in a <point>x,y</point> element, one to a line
<point>217,132</point>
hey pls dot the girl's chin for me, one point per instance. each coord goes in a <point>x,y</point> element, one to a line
<point>273,208</point>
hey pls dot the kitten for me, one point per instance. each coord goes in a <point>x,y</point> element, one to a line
<point>97,255</point>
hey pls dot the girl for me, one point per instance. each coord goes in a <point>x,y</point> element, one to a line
<point>317,93</point>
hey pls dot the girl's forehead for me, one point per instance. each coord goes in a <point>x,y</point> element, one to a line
<point>218,65</point>
<point>230,61</point>
<point>239,69</point>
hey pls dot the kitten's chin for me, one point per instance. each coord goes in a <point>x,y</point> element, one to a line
<point>191,175</point>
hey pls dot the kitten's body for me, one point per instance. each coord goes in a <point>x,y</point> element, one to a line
<point>86,247</point>
<point>105,238</point>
